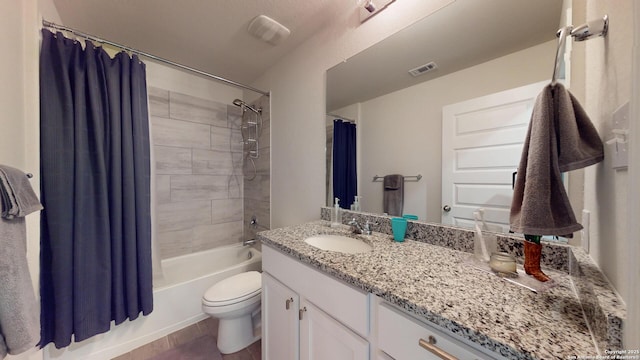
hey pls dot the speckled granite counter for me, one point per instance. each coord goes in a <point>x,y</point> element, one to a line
<point>433,282</point>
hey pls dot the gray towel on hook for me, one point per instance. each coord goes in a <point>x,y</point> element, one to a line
<point>16,194</point>
<point>19,309</point>
<point>393,195</point>
<point>560,138</point>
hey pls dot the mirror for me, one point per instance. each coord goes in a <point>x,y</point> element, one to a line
<point>478,47</point>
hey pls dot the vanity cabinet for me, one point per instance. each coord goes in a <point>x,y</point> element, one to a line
<point>279,320</point>
<point>405,338</point>
<point>322,337</point>
<point>300,311</point>
<point>308,315</point>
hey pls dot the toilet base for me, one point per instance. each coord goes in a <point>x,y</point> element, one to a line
<point>237,334</point>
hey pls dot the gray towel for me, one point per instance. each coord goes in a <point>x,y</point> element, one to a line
<point>19,309</point>
<point>560,138</point>
<point>393,195</point>
<point>18,198</point>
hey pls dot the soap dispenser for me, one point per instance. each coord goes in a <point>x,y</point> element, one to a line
<point>356,203</point>
<point>336,214</point>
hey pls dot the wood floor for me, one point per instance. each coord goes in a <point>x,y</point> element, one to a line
<point>196,342</point>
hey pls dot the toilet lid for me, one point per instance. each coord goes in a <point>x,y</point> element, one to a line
<point>234,289</point>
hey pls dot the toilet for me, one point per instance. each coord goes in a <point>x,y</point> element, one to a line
<point>235,302</point>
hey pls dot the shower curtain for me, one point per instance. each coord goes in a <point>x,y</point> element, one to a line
<point>344,162</point>
<point>95,260</point>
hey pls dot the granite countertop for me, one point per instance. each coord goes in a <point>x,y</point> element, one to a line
<point>435,283</point>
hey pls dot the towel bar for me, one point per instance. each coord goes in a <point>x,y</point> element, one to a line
<point>595,28</point>
<point>406,178</point>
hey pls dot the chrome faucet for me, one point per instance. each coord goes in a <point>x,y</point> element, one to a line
<point>356,228</point>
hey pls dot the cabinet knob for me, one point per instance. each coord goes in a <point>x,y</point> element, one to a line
<point>301,312</point>
<point>287,303</point>
<point>446,208</point>
<point>430,345</point>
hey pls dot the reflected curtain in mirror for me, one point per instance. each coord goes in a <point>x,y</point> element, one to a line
<point>95,255</point>
<point>344,162</point>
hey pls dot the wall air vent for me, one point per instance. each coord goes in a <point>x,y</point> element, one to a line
<point>423,69</point>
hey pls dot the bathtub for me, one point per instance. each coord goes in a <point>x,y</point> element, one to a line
<point>176,302</point>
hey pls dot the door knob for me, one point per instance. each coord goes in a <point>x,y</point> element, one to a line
<point>446,208</point>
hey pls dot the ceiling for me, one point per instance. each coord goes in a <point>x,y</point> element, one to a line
<point>207,35</point>
<point>462,34</point>
<point>211,35</point>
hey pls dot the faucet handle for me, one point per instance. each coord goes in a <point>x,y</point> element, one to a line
<point>367,226</point>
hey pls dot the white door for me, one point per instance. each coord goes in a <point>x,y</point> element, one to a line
<point>322,337</point>
<point>280,320</point>
<point>482,142</point>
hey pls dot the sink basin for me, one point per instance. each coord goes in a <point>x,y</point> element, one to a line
<point>339,243</point>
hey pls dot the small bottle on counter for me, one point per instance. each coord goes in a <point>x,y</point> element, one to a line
<point>356,203</point>
<point>336,214</point>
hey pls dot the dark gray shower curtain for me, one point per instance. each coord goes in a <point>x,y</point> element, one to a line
<point>95,259</point>
<point>345,177</point>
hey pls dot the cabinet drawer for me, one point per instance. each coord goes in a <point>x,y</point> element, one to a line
<point>340,301</point>
<point>399,336</point>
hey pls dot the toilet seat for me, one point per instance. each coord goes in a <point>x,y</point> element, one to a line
<point>234,289</point>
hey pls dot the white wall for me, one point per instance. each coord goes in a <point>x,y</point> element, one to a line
<point>169,78</point>
<point>12,92</point>
<point>297,85</point>
<point>632,331</point>
<point>402,131</point>
<point>607,85</point>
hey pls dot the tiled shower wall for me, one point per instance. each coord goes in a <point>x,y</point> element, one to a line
<point>199,183</point>
<point>257,191</point>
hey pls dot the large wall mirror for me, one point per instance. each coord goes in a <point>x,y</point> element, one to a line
<point>479,47</point>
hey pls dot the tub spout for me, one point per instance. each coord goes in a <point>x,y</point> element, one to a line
<point>249,242</point>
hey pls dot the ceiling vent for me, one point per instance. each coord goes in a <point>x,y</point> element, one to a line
<point>423,69</point>
<point>268,30</point>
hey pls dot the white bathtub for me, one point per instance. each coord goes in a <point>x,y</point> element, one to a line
<point>176,302</point>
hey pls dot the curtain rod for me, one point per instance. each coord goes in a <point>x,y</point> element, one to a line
<point>49,24</point>
<point>341,118</point>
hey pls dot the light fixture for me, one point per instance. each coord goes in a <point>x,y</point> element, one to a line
<point>368,8</point>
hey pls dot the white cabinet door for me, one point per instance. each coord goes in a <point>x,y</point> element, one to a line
<point>482,141</point>
<point>383,356</point>
<point>279,320</point>
<point>322,337</point>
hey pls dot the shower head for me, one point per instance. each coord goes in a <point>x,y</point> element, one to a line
<point>244,105</point>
